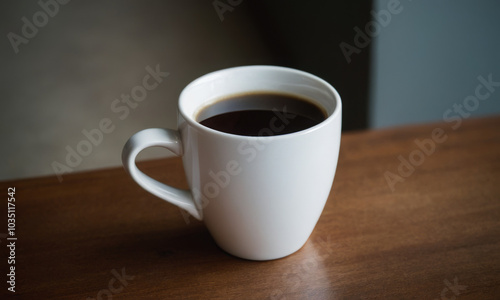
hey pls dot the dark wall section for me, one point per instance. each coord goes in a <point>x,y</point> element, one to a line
<point>307,35</point>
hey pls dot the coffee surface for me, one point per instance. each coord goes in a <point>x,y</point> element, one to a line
<point>261,114</point>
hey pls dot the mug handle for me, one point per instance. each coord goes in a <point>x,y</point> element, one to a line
<point>165,138</point>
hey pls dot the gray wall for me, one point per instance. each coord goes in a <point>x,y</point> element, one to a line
<point>65,79</point>
<point>429,56</point>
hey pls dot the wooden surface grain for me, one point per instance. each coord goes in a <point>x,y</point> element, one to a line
<point>434,235</point>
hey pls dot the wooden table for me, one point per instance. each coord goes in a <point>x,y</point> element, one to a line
<point>435,236</point>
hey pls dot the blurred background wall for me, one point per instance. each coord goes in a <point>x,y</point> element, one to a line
<point>66,77</point>
<point>70,67</point>
<point>429,57</point>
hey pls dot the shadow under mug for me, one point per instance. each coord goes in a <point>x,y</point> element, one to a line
<point>259,196</point>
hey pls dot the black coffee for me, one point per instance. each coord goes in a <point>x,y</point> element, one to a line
<point>261,114</point>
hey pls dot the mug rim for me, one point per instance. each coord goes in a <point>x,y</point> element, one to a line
<point>192,121</point>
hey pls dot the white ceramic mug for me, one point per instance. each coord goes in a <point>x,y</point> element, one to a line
<point>259,196</point>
